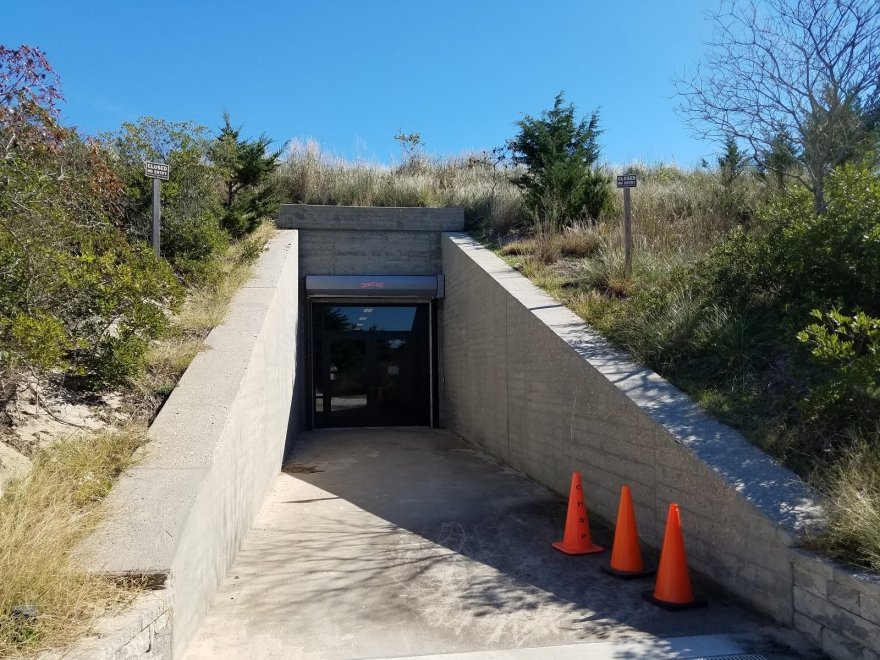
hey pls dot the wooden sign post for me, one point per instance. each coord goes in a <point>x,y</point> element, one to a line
<point>157,172</point>
<point>627,181</point>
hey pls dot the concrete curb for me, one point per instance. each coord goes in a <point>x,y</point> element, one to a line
<point>143,630</point>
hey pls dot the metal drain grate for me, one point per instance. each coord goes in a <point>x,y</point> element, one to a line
<point>744,656</point>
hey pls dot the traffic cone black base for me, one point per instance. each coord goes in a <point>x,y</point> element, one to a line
<point>627,575</point>
<point>674,607</point>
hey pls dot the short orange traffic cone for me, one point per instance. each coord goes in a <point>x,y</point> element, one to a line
<point>626,554</point>
<point>673,591</point>
<point>576,540</point>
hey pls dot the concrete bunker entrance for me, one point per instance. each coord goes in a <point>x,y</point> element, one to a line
<point>372,351</point>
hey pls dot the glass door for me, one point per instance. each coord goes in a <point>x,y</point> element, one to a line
<point>370,365</point>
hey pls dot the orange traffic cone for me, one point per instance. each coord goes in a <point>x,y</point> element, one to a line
<point>576,540</point>
<point>626,554</point>
<point>673,591</point>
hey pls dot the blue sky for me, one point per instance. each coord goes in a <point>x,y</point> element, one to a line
<point>350,74</point>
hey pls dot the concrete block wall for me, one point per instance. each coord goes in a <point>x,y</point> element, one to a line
<point>180,513</point>
<point>354,240</point>
<point>142,632</point>
<point>837,608</point>
<point>527,380</point>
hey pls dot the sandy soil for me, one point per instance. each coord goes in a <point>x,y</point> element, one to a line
<point>39,416</point>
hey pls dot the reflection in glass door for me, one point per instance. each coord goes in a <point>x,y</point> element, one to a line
<point>370,365</point>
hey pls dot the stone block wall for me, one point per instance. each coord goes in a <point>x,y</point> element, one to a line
<point>837,608</point>
<point>142,632</point>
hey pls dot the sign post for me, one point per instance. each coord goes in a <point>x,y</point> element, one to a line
<point>158,172</point>
<point>627,181</point>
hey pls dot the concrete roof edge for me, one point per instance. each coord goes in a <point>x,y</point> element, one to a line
<point>370,218</point>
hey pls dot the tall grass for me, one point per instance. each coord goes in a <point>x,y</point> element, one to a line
<point>684,212</point>
<point>853,489</point>
<point>45,600</point>
<point>489,199</point>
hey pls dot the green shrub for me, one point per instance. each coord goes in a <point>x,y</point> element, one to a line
<point>191,207</point>
<point>800,261</point>
<point>755,327</point>
<point>848,347</point>
<point>76,299</point>
<point>560,184</point>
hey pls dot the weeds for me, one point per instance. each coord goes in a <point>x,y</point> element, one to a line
<point>853,488</point>
<point>45,601</point>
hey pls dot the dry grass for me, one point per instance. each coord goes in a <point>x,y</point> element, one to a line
<point>42,517</point>
<point>678,216</point>
<point>852,532</point>
<point>485,192</point>
<point>548,248</point>
<point>683,212</point>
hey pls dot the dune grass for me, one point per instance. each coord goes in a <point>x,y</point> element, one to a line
<point>490,201</point>
<point>852,486</point>
<point>45,600</point>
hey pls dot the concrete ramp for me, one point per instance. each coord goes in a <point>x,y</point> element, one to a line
<point>391,543</point>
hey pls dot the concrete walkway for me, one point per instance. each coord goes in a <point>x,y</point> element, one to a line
<point>395,543</point>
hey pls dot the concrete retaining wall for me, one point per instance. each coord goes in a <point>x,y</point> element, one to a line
<point>837,608</point>
<point>526,379</point>
<point>142,632</point>
<point>354,240</point>
<point>179,515</point>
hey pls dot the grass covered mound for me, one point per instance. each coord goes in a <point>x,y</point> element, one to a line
<point>771,325</point>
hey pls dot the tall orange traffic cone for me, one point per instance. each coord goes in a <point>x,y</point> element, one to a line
<point>673,591</point>
<point>626,554</point>
<point>576,540</point>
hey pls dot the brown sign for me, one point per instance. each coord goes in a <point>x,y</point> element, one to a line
<point>626,181</point>
<point>156,170</point>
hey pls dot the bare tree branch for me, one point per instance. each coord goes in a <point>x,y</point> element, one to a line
<point>809,69</point>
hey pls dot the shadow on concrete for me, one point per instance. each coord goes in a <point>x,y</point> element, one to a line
<point>452,541</point>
